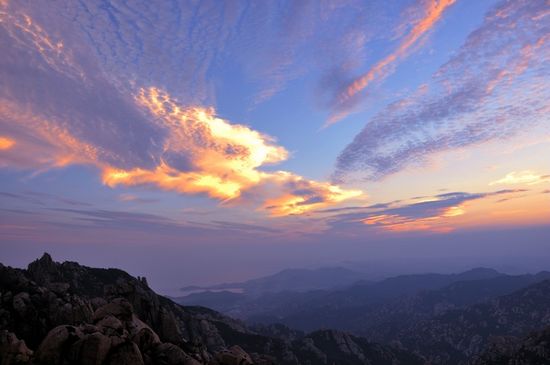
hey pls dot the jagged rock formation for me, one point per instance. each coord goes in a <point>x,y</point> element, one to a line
<point>65,313</point>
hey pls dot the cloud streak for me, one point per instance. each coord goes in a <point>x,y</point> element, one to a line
<point>493,87</point>
<point>346,100</point>
<point>434,213</point>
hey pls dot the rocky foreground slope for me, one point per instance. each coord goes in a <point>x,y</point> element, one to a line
<point>65,313</point>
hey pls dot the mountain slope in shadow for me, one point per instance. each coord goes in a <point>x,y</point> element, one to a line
<point>66,313</point>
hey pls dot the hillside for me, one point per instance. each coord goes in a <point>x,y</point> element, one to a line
<point>61,313</point>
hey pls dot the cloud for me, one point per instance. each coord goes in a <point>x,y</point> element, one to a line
<point>434,213</point>
<point>43,199</point>
<point>493,87</point>
<point>346,100</point>
<point>243,227</point>
<point>135,199</point>
<point>222,160</point>
<point>121,219</point>
<point>63,109</point>
<point>183,47</point>
<point>6,143</point>
<point>526,177</point>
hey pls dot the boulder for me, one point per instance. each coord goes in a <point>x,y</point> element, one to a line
<point>110,325</point>
<point>146,339</point>
<point>12,350</point>
<point>21,303</point>
<point>119,308</point>
<point>53,348</point>
<point>91,350</point>
<point>235,355</point>
<point>127,353</point>
<point>170,354</point>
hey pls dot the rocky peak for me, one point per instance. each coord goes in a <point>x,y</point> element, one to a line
<point>44,269</point>
<point>69,313</point>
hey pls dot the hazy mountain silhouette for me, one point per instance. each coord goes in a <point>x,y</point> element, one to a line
<point>65,313</point>
<point>291,280</point>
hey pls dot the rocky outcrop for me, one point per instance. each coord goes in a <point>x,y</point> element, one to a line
<point>531,350</point>
<point>12,350</point>
<point>115,336</point>
<point>68,314</point>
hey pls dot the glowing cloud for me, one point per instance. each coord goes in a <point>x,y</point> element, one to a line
<point>526,177</point>
<point>206,154</point>
<point>434,10</point>
<point>149,139</point>
<point>437,213</point>
<point>403,223</point>
<point>302,195</point>
<point>6,143</point>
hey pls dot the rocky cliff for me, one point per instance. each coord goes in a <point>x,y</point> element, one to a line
<point>66,313</point>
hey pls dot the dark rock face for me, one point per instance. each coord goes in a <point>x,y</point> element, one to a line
<point>72,314</point>
<point>13,350</point>
<point>459,335</point>
<point>532,350</point>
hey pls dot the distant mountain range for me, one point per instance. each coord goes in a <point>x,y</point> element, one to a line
<point>298,280</point>
<point>282,300</point>
<point>66,313</point>
<point>446,318</point>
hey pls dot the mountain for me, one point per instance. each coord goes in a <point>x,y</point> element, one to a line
<point>368,316</point>
<point>317,309</point>
<point>444,318</point>
<point>533,349</point>
<point>222,301</point>
<point>65,313</point>
<point>298,280</point>
<point>455,336</point>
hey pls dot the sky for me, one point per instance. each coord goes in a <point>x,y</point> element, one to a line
<point>197,142</point>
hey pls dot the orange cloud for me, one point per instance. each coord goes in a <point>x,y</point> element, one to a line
<point>398,223</point>
<point>206,154</point>
<point>301,195</point>
<point>28,33</point>
<point>44,142</point>
<point>434,10</point>
<point>199,154</point>
<point>6,143</point>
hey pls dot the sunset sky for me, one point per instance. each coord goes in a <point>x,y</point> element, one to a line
<point>204,141</point>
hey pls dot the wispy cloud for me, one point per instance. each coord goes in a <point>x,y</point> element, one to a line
<point>347,99</point>
<point>138,136</point>
<point>526,177</point>
<point>43,199</point>
<point>493,87</point>
<point>136,199</point>
<point>434,213</point>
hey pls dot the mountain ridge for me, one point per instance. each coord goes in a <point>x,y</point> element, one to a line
<point>50,313</point>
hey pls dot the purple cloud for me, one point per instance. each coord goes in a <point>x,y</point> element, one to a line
<point>396,214</point>
<point>494,86</point>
